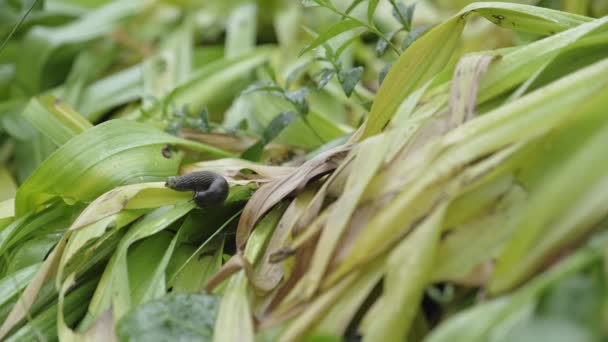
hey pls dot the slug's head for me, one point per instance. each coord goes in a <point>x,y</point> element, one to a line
<point>171,182</point>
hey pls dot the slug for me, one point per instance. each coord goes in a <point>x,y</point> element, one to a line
<point>210,189</point>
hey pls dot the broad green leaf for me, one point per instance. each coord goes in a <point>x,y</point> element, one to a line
<point>55,218</point>
<point>98,215</point>
<point>114,153</point>
<point>181,317</point>
<point>336,29</point>
<point>195,266</point>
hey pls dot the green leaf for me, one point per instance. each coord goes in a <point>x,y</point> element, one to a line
<point>114,153</point>
<point>481,321</point>
<point>349,79</point>
<point>413,35</point>
<point>234,320</point>
<point>548,222</point>
<point>404,14</point>
<point>382,44</point>
<point>12,284</point>
<point>324,76</point>
<point>298,99</point>
<point>337,28</point>
<point>43,43</point>
<point>87,67</point>
<point>172,64</point>
<point>109,92</point>
<point>425,59</point>
<point>367,161</point>
<point>114,290</point>
<point>54,119</point>
<point>276,126</point>
<point>209,83</point>
<point>413,69</point>
<point>371,9</point>
<point>408,272</point>
<point>241,30</point>
<point>181,317</point>
<point>44,325</point>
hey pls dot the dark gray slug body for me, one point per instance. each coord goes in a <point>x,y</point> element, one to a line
<point>210,189</point>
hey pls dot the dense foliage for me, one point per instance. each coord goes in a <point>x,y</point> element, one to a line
<point>398,171</point>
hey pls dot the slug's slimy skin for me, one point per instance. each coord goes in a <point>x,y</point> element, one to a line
<point>210,189</point>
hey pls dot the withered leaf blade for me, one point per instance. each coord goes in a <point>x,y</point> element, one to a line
<point>272,193</point>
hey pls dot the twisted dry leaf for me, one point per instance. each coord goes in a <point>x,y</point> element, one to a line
<point>273,192</point>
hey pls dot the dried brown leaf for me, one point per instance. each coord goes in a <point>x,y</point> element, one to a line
<point>272,193</point>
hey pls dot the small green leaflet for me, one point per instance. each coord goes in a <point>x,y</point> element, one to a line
<point>349,79</point>
<point>275,127</point>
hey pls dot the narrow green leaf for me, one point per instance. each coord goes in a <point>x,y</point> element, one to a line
<point>113,290</point>
<point>368,160</point>
<point>241,30</point>
<point>54,119</point>
<point>371,9</point>
<point>543,225</point>
<point>413,69</point>
<point>234,321</point>
<point>337,28</point>
<point>44,325</point>
<point>408,271</point>
<point>209,83</point>
<point>425,60</point>
<point>111,91</point>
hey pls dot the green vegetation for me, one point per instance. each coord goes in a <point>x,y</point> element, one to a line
<point>424,172</point>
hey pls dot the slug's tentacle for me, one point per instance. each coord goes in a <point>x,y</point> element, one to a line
<point>210,189</point>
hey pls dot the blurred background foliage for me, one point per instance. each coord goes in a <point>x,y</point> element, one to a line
<point>100,101</point>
